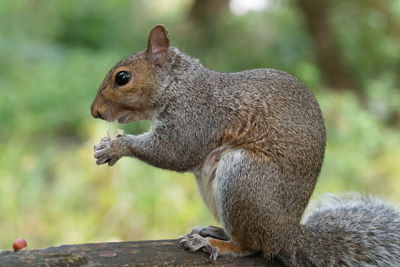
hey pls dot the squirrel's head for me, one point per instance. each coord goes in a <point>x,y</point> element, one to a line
<point>127,92</point>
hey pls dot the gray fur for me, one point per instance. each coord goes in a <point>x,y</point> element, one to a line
<point>255,141</point>
<point>353,230</point>
<point>210,231</point>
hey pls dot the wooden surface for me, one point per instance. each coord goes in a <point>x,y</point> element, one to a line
<point>139,253</point>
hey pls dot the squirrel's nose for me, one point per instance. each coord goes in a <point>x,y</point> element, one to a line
<point>96,114</point>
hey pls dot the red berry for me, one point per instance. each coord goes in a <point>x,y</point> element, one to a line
<point>18,244</point>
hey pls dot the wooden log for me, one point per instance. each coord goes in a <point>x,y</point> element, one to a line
<point>138,253</point>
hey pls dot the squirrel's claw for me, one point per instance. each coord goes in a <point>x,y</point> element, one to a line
<point>101,161</point>
<point>195,242</point>
<point>104,152</point>
<point>112,161</point>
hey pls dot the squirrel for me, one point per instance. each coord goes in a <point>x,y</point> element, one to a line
<point>255,142</point>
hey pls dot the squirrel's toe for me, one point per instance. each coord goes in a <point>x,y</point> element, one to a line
<point>195,242</point>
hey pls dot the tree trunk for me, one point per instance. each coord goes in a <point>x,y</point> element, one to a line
<point>204,16</point>
<point>206,11</point>
<point>328,55</point>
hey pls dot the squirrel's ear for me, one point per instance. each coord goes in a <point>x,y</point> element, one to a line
<point>157,45</point>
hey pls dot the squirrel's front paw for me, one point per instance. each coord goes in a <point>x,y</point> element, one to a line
<point>107,151</point>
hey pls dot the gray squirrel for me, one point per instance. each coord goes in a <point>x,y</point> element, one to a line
<point>255,141</point>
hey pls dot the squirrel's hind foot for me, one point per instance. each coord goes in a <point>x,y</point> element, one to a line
<point>213,246</point>
<point>195,242</point>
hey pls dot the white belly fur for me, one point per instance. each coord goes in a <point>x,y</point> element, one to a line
<point>208,183</point>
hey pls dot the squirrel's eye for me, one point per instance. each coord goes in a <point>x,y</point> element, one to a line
<point>122,78</point>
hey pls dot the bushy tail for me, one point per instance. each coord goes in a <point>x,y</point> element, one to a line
<point>348,231</point>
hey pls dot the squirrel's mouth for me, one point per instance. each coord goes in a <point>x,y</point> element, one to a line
<point>125,117</point>
<point>132,116</point>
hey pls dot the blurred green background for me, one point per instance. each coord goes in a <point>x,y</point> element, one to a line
<point>54,54</point>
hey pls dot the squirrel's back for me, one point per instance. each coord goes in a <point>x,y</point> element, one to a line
<point>273,112</point>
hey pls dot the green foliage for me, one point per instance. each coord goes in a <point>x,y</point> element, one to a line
<point>54,54</point>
